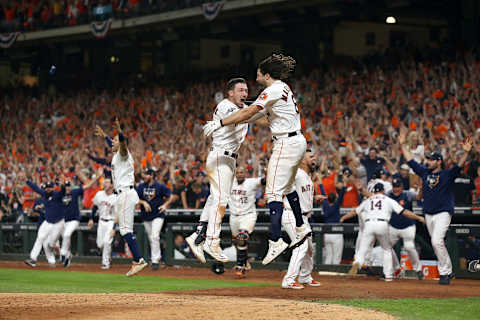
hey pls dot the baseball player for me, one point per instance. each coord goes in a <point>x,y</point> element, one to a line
<point>103,204</point>
<point>301,261</point>
<point>331,214</point>
<point>377,178</point>
<point>220,167</point>
<point>50,229</point>
<point>243,215</point>
<point>72,216</point>
<point>278,104</point>
<point>401,227</point>
<point>123,178</point>
<point>376,212</point>
<point>438,200</point>
<point>152,211</point>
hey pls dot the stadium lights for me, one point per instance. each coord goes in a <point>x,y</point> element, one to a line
<point>391,20</point>
<point>114,59</point>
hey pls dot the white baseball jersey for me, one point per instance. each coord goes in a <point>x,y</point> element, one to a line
<point>229,137</point>
<point>378,206</point>
<point>242,196</point>
<point>105,204</point>
<point>123,172</point>
<point>387,186</point>
<point>304,187</point>
<point>283,115</point>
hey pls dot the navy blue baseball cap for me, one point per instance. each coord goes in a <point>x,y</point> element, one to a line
<point>347,171</point>
<point>150,171</point>
<point>397,182</point>
<point>49,184</point>
<point>378,187</point>
<point>434,156</point>
<point>68,183</point>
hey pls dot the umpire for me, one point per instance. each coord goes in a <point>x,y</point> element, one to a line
<point>438,199</point>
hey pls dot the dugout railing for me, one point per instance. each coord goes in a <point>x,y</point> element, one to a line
<point>16,241</point>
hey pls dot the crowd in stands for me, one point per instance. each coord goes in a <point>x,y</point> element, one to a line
<point>32,15</point>
<point>351,116</point>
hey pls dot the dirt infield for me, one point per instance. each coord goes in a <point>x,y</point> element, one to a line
<point>251,302</point>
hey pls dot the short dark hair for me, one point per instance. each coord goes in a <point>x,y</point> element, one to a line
<point>232,82</point>
<point>277,66</point>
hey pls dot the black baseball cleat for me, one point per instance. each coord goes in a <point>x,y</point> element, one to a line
<point>420,275</point>
<point>31,263</point>
<point>62,259</point>
<point>444,280</point>
<point>155,266</point>
<point>451,276</point>
<point>66,264</point>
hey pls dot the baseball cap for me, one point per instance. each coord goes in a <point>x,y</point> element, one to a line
<point>68,183</point>
<point>381,171</point>
<point>434,156</point>
<point>347,171</point>
<point>404,166</point>
<point>49,184</point>
<point>396,182</point>
<point>378,187</point>
<point>150,171</point>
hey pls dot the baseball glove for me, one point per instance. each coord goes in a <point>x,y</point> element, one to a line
<point>218,268</point>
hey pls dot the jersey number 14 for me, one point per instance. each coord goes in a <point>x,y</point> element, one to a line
<point>377,205</point>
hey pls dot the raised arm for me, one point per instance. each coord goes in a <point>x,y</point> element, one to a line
<point>402,139</point>
<point>467,147</point>
<point>36,188</point>
<point>121,139</point>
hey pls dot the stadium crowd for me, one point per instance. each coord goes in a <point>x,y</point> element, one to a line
<point>351,117</point>
<point>30,15</point>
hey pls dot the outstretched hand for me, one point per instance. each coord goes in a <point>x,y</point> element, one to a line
<point>467,145</point>
<point>99,132</point>
<point>117,125</point>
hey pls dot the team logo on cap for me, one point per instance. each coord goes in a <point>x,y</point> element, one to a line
<point>433,180</point>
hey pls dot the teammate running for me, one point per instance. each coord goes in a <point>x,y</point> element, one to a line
<point>278,104</point>
<point>438,200</point>
<point>123,177</point>
<point>301,261</point>
<point>103,203</point>
<point>152,210</point>
<point>243,215</point>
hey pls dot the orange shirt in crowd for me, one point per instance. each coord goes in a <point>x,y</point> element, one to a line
<point>28,193</point>
<point>350,199</point>
<point>88,195</point>
<point>329,184</point>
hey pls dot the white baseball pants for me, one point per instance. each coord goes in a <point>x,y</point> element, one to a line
<point>408,236</point>
<point>125,204</point>
<point>437,225</point>
<point>243,222</point>
<point>47,235</point>
<point>301,261</point>
<point>376,230</point>
<point>104,240</point>
<point>286,156</point>
<point>220,170</point>
<point>333,248</point>
<point>153,229</point>
<point>368,255</point>
<point>68,230</point>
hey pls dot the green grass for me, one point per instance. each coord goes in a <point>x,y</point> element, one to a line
<point>420,309</point>
<point>38,281</point>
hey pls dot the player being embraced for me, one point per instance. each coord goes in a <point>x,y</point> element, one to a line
<point>220,167</point>
<point>376,212</point>
<point>123,178</point>
<point>278,104</point>
<point>243,215</point>
<point>103,204</point>
<point>301,261</point>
